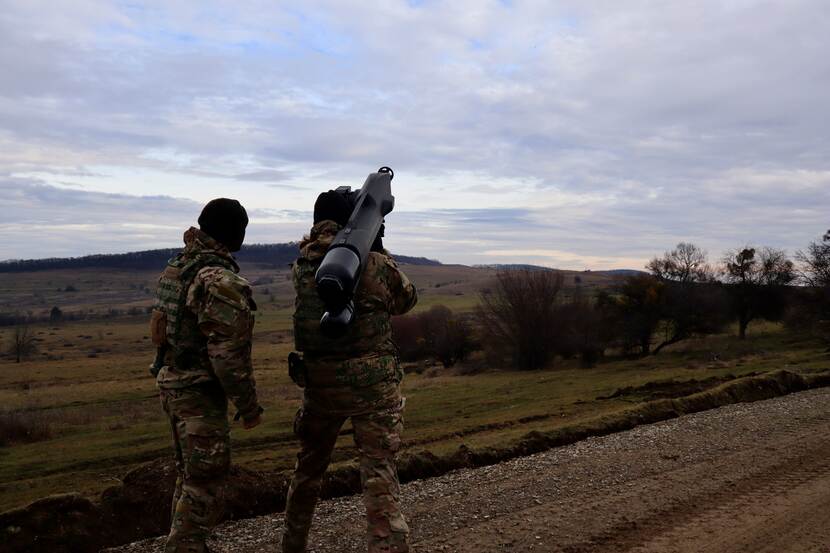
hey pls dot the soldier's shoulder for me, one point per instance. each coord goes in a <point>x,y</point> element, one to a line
<point>381,260</point>
<point>226,285</point>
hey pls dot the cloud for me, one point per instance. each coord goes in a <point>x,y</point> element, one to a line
<point>48,221</point>
<point>269,176</point>
<point>610,129</point>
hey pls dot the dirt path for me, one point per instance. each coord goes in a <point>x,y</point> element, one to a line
<point>744,478</point>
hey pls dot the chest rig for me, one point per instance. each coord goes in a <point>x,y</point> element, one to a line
<point>174,328</point>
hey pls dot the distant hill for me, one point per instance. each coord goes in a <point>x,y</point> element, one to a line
<point>519,266</point>
<point>514,267</point>
<point>624,272</point>
<point>274,255</point>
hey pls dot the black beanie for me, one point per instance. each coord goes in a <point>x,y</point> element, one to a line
<point>333,206</point>
<point>224,220</point>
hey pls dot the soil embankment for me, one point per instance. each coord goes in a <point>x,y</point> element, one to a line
<point>749,477</point>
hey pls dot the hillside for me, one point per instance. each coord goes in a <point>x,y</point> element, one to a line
<point>271,255</point>
<point>108,291</point>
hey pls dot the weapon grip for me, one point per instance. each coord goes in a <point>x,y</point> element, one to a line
<point>335,323</point>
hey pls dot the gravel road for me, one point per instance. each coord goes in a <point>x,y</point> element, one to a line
<point>752,477</point>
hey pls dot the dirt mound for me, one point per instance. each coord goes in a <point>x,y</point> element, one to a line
<point>138,507</point>
<point>662,389</point>
<point>59,524</point>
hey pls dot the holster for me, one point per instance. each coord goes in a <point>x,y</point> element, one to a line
<point>297,369</point>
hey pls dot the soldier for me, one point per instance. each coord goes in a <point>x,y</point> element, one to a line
<point>357,376</point>
<point>202,325</point>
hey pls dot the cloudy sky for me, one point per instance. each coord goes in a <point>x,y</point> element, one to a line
<point>569,134</point>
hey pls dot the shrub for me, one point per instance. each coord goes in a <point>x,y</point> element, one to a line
<point>55,315</point>
<point>437,333</point>
<point>23,343</point>
<point>18,427</point>
<point>519,317</point>
<point>408,336</point>
<point>587,328</point>
<point>446,336</point>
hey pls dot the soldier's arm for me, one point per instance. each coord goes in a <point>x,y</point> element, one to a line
<point>223,305</point>
<point>403,295</point>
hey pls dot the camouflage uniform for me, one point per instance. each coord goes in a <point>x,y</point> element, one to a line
<point>207,324</point>
<point>355,376</point>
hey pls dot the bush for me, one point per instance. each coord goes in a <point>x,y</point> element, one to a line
<point>587,328</point>
<point>638,307</point>
<point>809,312</point>
<point>519,317</point>
<point>408,336</point>
<point>55,315</point>
<point>437,333</point>
<point>23,343</point>
<point>18,427</point>
<point>446,336</point>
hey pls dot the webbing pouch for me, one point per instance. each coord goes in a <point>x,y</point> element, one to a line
<point>158,328</point>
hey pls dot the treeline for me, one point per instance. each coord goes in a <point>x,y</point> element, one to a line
<point>57,315</point>
<point>272,255</point>
<point>525,320</point>
<point>268,254</point>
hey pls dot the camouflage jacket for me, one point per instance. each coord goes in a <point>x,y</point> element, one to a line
<point>365,356</point>
<point>210,339</point>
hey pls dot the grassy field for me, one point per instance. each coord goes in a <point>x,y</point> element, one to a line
<point>90,396</point>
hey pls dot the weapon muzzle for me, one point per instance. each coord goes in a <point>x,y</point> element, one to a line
<point>337,277</point>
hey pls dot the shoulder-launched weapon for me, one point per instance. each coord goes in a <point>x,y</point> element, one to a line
<point>339,273</point>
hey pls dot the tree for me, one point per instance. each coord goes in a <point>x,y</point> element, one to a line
<point>55,315</point>
<point>437,333</point>
<point>686,264</point>
<point>815,262</point>
<point>692,303</point>
<point>639,304</point>
<point>519,316</point>
<point>587,327</point>
<point>23,343</point>
<point>757,284</point>
<point>408,337</point>
<point>810,311</point>
<point>445,335</point>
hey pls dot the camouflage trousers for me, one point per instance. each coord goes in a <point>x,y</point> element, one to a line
<point>199,421</point>
<point>378,438</point>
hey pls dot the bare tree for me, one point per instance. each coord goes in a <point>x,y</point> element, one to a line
<point>693,302</point>
<point>519,316</point>
<point>810,312</point>
<point>756,283</point>
<point>686,264</point>
<point>23,343</point>
<point>815,262</point>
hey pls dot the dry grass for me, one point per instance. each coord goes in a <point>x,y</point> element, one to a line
<point>103,416</point>
<point>22,428</point>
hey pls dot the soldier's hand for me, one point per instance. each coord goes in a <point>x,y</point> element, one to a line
<point>251,423</point>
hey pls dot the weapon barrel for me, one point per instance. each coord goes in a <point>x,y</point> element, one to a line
<point>339,273</point>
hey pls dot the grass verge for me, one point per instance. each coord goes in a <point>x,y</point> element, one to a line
<point>131,510</point>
